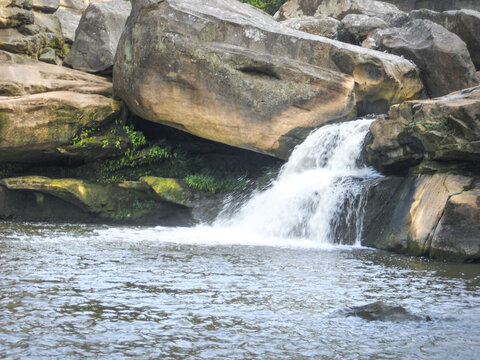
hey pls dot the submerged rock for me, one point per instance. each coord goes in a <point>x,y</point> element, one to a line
<point>94,201</point>
<point>229,73</point>
<point>97,36</point>
<point>380,311</point>
<point>441,55</point>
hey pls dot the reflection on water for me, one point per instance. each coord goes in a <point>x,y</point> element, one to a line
<point>75,291</point>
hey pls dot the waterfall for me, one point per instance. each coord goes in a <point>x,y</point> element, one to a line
<point>319,193</point>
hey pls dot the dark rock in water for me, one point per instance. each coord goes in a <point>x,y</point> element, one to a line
<point>380,311</point>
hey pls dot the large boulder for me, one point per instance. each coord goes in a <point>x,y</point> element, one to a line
<point>227,72</point>
<point>42,198</point>
<point>445,129</point>
<point>441,55</point>
<point>97,36</point>
<point>437,5</point>
<point>52,102</point>
<point>433,215</point>
<point>457,233</point>
<point>322,26</point>
<point>464,23</point>
<point>354,28</point>
<point>338,9</point>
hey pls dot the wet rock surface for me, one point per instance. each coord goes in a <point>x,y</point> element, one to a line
<point>381,311</point>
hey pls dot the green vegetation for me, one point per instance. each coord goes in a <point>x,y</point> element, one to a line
<point>269,6</point>
<point>133,157</point>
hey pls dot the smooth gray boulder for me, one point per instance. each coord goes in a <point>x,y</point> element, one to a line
<point>441,55</point>
<point>464,23</point>
<point>354,28</point>
<point>322,26</point>
<point>97,36</point>
<point>69,19</point>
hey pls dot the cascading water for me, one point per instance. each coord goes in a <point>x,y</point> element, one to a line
<point>319,193</point>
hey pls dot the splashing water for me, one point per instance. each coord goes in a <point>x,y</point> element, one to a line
<point>319,194</point>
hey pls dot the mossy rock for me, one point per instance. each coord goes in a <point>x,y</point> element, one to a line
<point>169,189</point>
<point>109,203</point>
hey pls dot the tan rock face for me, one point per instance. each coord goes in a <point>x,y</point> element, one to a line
<point>227,72</point>
<point>35,77</point>
<point>419,219</point>
<point>32,127</point>
<point>444,129</point>
<point>43,106</point>
<point>457,234</point>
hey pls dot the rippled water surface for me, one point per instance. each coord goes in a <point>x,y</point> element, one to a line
<point>85,292</point>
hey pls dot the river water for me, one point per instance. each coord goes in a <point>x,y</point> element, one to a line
<point>268,280</point>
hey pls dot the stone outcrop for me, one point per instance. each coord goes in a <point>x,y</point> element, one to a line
<point>322,26</point>
<point>441,55</point>
<point>229,73</point>
<point>42,198</point>
<point>464,23</point>
<point>52,102</point>
<point>437,5</point>
<point>425,213</point>
<point>97,36</point>
<point>354,28</point>
<point>457,233</point>
<point>445,129</point>
<point>338,9</point>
